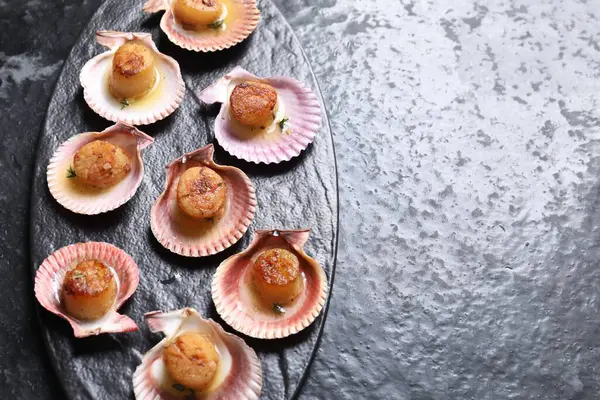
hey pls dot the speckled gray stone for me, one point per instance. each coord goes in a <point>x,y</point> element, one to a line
<point>468,260</point>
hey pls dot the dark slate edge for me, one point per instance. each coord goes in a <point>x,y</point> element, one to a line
<point>325,310</point>
<point>322,317</point>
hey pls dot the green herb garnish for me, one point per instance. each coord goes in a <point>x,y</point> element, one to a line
<point>179,387</point>
<point>78,275</point>
<point>217,24</point>
<point>283,122</point>
<point>278,308</point>
<point>124,103</point>
<point>71,173</point>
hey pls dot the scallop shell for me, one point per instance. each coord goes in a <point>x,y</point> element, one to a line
<point>177,233</point>
<point>297,102</point>
<point>231,290</point>
<point>228,36</point>
<point>160,103</point>
<point>244,375</point>
<point>91,202</point>
<point>50,275</point>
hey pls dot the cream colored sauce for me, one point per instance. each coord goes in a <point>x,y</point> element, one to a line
<point>74,186</point>
<point>149,99</point>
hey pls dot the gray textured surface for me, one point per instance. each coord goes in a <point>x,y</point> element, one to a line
<point>469,224</point>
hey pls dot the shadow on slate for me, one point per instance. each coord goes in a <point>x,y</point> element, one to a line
<point>299,193</point>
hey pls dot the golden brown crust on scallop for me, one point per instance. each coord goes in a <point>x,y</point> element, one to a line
<point>89,290</point>
<point>88,278</point>
<point>252,103</point>
<point>201,193</point>
<point>276,276</point>
<point>192,360</point>
<point>277,267</point>
<point>132,58</point>
<point>101,164</point>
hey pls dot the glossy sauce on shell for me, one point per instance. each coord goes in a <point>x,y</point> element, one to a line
<point>253,104</point>
<point>101,164</point>
<point>89,290</point>
<point>276,276</point>
<point>201,193</point>
<point>192,360</point>
<point>133,72</point>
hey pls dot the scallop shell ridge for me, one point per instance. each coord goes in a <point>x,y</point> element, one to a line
<point>98,99</point>
<point>303,113</point>
<point>55,266</point>
<point>227,231</point>
<point>108,199</point>
<point>243,317</point>
<point>241,28</point>
<point>245,381</point>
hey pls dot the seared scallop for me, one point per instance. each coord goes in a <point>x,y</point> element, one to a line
<point>252,104</point>
<point>206,25</point>
<point>197,13</point>
<point>197,359</point>
<point>192,360</point>
<point>272,289</point>
<point>85,284</point>
<point>133,71</point>
<point>132,82</point>
<point>263,119</point>
<point>276,276</point>
<point>205,208</point>
<point>201,193</point>
<point>89,290</point>
<point>101,164</point>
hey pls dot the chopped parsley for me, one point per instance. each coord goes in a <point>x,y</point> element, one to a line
<point>278,308</point>
<point>282,123</point>
<point>124,103</point>
<point>78,275</point>
<point>217,24</point>
<point>71,173</point>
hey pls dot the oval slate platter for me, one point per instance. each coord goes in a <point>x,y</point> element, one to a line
<point>296,194</point>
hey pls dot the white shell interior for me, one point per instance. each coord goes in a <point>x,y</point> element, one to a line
<point>83,192</point>
<point>96,77</point>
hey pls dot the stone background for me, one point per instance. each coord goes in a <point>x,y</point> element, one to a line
<point>467,140</point>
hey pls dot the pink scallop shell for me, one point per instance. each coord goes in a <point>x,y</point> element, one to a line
<point>166,218</point>
<point>243,381</point>
<point>230,288</point>
<point>301,107</point>
<point>130,139</point>
<point>241,28</point>
<point>49,277</point>
<point>94,79</point>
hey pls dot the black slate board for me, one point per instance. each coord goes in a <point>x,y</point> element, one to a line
<point>300,193</point>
